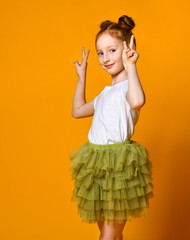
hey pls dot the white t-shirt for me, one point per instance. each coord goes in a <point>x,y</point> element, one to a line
<point>114,120</point>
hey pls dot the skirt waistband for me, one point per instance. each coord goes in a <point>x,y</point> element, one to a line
<point>112,145</point>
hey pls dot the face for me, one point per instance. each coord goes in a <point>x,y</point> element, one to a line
<point>109,52</point>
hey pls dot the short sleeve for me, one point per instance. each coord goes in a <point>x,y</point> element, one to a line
<point>97,97</point>
<point>95,101</point>
<point>124,90</point>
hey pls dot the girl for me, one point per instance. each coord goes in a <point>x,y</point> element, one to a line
<point>112,173</point>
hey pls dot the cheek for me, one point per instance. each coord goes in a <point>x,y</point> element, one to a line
<point>118,56</point>
<point>119,60</point>
<point>100,62</point>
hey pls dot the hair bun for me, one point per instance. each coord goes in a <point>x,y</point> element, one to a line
<point>105,24</point>
<point>126,22</point>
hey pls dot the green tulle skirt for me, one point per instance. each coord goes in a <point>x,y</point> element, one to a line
<point>113,182</point>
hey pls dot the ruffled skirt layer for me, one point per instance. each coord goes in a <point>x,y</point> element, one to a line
<point>113,182</point>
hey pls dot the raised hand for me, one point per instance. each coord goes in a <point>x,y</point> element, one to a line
<point>82,66</point>
<point>129,55</point>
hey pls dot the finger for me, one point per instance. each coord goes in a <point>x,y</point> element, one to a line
<point>132,42</point>
<point>87,53</point>
<point>127,50</point>
<point>76,63</point>
<point>131,53</point>
<point>83,53</point>
<point>125,45</point>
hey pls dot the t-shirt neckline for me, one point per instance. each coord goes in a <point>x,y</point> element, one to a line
<point>111,86</point>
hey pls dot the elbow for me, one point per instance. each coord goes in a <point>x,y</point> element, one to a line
<point>137,107</point>
<point>74,114</point>
<point>138,104</point>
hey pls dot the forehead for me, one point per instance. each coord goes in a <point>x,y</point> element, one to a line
<point>105,41</point>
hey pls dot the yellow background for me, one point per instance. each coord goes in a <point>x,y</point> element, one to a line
<point>39,40</point>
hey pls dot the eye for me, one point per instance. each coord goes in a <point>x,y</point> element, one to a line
<point>99,53</point>
<point>112,50</point>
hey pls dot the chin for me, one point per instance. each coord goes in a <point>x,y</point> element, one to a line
<point>113,71</point>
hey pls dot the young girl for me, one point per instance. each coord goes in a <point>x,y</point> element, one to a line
<point>112,173</point>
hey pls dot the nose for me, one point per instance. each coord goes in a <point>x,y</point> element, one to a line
<point>106,59</point>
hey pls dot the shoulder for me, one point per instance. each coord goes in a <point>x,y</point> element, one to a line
<point>97,97</point>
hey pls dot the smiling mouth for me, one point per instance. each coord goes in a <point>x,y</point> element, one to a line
<point>108,66</point>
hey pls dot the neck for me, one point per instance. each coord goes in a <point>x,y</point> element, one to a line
<point>119,77</point>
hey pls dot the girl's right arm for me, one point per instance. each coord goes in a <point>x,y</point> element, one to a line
<point>80,107</point>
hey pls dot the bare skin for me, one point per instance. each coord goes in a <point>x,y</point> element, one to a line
<point>110,231</point>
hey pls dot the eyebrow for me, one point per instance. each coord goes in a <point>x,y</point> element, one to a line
<point>107,47</point>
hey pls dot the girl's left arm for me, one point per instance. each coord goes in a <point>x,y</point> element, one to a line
<point>135,94</point>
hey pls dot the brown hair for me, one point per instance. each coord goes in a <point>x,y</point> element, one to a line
<point>120,30</point>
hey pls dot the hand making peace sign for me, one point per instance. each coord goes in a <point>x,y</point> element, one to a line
<point>129,55</point>
<point>81,66</point>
